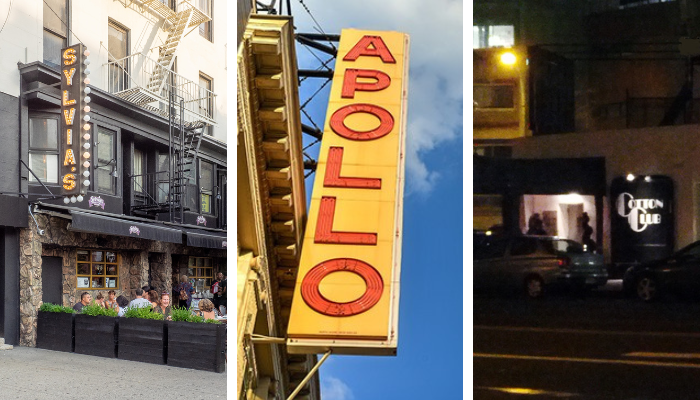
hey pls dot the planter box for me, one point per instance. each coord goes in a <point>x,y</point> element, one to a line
<point>197,346</point>
<point>142,340</point>
<point>55,331</point>
<point>96,336</point>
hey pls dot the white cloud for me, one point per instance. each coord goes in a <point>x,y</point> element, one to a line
<point>335,389</point>
<point>435,86</point>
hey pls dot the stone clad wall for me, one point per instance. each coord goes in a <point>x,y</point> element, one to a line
<point>58,241</point>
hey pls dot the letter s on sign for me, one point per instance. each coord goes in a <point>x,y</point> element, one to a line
<point>69,57</point>
<point>69,181</point>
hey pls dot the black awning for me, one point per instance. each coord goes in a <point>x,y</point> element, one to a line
<point>15,211</point>
<point>86,222</point>
<point>208,239</point>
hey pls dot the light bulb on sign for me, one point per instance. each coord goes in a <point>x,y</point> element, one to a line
<point>66,200</point>
<point>87,99</point>
<point>86,72</point>
<point>87,62</point>
<point>87,81</point>
<point>86,118</point>
<point>86,52</point>
<point>73,199</point>
<point>86,182</point>
<point>86,145</point>
<point>86,174</point>
<point>87,91</point>
<point>86,164</point>
<point>86,127</point>
<point>86,154</point>
<point>80,198</point>
<point>86,136</point>
<point>86,108</point>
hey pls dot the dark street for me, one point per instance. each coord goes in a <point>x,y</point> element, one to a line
<point>603,346</point>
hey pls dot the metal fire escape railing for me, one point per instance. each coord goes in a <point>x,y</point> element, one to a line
<point>189,107</point>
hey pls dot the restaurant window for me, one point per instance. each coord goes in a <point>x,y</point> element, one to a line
<point>206,184</point>
<point>97,269</point>
<point>200,272</point>
<point>205,28</point>
<point>206,99</point>
<point>106,162</point>
<point>493,36</point>
<point>138,171</point>
<point>55,30</point>
<point>43,149</point>
<point>118,51</point>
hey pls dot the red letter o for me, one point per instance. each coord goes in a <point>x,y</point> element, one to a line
<point>386,122</point>
<point>312,295</point>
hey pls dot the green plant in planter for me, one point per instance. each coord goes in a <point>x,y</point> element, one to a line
<point>185,315</point>
<point>97,310</point>
<point>142,312</point>
<point>48,307</point>
<point>212,321</point>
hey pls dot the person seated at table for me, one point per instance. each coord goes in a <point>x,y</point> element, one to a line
<point>164,306</point>
<point>100,300</point>
<point>206,309</point>
<point>85,299</point>
<point>111,302</point>
<point>122,304</point>
<point>139,301</point>
<point>154,298</point>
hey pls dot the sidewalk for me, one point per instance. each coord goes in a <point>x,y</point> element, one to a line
<point>28,373</point>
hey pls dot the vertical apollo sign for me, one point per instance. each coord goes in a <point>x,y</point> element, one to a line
<point>347,290</point>
<point>74,157</point>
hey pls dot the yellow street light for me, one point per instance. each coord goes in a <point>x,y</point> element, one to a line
<point>508,58</point>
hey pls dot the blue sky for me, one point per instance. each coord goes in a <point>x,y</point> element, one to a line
<point>429,361</point>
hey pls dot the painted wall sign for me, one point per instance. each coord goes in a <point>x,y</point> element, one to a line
<point>641,219</point>
<point>347,291</point>
<point>74,154</point>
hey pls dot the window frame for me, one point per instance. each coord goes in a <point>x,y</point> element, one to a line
<point>65,36</point>
<point>126,67</point>
<point>44,151</point>
<point>95,125</point>
<point>208,109</point>
<point>93,275</point>
<point>208,26</point>
<point>205,192</point>
<point>192,275</point>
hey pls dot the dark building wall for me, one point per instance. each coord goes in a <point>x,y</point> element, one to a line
<point>10,139</point>
<point>9,282</point>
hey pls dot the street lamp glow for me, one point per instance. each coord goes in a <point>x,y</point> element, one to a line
<point>508,58</point>
<point>630,177</point>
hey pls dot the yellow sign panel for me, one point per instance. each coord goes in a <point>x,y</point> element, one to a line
<point>347,290</point>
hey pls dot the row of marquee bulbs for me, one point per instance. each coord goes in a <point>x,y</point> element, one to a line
<point>86,135</point>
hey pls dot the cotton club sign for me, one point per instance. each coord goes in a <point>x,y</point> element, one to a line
<point>347,291</point>
<point>74,157</point>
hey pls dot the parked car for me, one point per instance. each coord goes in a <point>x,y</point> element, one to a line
<point>678,274</point>
<point>535,264</point>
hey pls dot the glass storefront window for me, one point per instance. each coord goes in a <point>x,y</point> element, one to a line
<point>97,269</point>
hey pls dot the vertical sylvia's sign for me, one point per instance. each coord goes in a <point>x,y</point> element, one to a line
<point>74,157</point>
<point>347,289</point>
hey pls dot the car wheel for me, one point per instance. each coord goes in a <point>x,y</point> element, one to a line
<point>647,288</point>
<point>534,287</point>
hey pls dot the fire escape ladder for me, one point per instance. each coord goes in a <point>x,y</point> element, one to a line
<point>167,51</point>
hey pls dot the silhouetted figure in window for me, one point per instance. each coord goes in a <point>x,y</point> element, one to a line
<point>535,225</point>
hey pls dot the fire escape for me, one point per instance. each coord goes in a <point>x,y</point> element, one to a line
<point>188,107</point>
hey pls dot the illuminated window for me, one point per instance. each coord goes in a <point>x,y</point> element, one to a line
<point>97,269</point>
<point>206,184</point>
<point>43,149</point>
<point>493,36</point>
<point>55,30</point>
<point>200,272</point>
<point>205,28</point>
